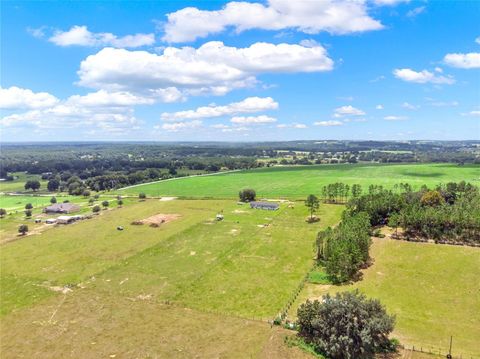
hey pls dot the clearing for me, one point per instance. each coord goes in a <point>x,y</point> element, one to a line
<point>299,181</point>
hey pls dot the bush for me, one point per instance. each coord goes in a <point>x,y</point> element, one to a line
<point>105,204</point>
<point>28,213</point>
<point>23,228</point>
<point>247,195</point>
<point>142,195</point>
<point>28,206</point>
<point>347,325</point>
<point>3,212</point>
<point>53,200</point>
<point>96,209</point>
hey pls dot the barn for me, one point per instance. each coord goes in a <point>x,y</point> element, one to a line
<point>270,206</point>
<point>62,208</point>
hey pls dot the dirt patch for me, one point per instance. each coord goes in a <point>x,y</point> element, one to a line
<point>163,199</point>
<point>158,219</point>
<point>239,211</point>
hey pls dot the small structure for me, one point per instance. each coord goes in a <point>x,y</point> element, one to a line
<point>38,220</point>
<point>219,217</point>
<point>65,219</point>
<point>62,208</point>
<point>50,221</point>
<point>270,206</point>
<point>119,228</point>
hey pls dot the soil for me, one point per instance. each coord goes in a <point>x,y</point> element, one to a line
<point>160,219</point>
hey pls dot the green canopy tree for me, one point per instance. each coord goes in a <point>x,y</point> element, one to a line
<point>313,204</point>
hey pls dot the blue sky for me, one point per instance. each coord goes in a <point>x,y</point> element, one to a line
<point>246,71</point>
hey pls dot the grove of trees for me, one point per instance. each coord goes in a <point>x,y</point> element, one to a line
<point>346,326</point>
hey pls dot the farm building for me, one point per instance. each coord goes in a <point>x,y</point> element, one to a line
<point>65,219</point>
<point>62,208</point>
<point>264,205</point>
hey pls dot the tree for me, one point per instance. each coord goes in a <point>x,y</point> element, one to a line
<point>3,212</point>
<point>23,228</point>
<point>53,185</point>
<point>34,185</point>
<point>28,206</point>
<point>394,222</point>
<point>120,202</point>
<point>91,201</point>
<point>313,204</point>
<point>28,213</point>
<point>105,204</point>
<point>247,195</point>
<point>86,193</point>
<point>346,326</point>
<point>142,196</point>
<point>53,200</point>
<point>432,198</point>
<point>96,209</point>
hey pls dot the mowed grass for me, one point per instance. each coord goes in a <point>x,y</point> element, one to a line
<point>74,253</point>
<point>434,291</point>
<point>232,266</point>
<point>236,266</point>
<point>299,181</point>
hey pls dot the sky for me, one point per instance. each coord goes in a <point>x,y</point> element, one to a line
<point>239,71</point>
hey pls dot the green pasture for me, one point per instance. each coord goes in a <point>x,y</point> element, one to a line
<point>18,185</point>
<point>193,260</point>
<point>299,181</point>
<point>434,291</point>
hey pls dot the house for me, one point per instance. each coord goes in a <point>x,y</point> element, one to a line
<point>65,219</point>
<point>50,221</point>
<point>62,208</point>
<point>264,205</point>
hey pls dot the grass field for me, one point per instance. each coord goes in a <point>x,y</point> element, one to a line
<point>18,184</point>
<point>299,181</point>
<point>434,290</point>
<point>221,271</point>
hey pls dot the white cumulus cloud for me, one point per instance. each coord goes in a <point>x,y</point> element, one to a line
<point>250,120</point>
<point>20,98</point>
<point>347,111</point>
<point>394,118</point>
<point>213,68</point>
<point>177,126</point>
<point>422,77</point>
<point>248,105</point>
<point>463,61</point>
<point>328,123</point>
<point>81,36</point>
<point>409,106</point>
<point>311,17</point>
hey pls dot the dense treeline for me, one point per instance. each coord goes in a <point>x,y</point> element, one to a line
<point>343,250</point>
<point>449,213</point>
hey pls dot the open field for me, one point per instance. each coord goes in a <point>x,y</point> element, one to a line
<point>432,289</point>
<point>299,181</point>
<point>18,184</point>
<point>243,267</point>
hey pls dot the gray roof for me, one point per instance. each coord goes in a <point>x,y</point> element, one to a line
<point>62,207</point>
<point>264,205</point>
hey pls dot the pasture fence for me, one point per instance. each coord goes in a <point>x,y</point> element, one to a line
<point>438,350</point>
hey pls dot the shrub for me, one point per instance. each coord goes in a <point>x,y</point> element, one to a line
<point>23,228</point>
<point>28,206</point>
<point>247,195</point>
<point>3,212</point>
<point>28,213</point>
<point>96,209</point>
<point>53,200</point>
<point>105,204</point>
<point>142,195</point>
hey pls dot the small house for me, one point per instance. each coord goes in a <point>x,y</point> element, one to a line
<point>50,221</point>
<point>270,206</point>
<point>65,219</point>
<point>62,208</point>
